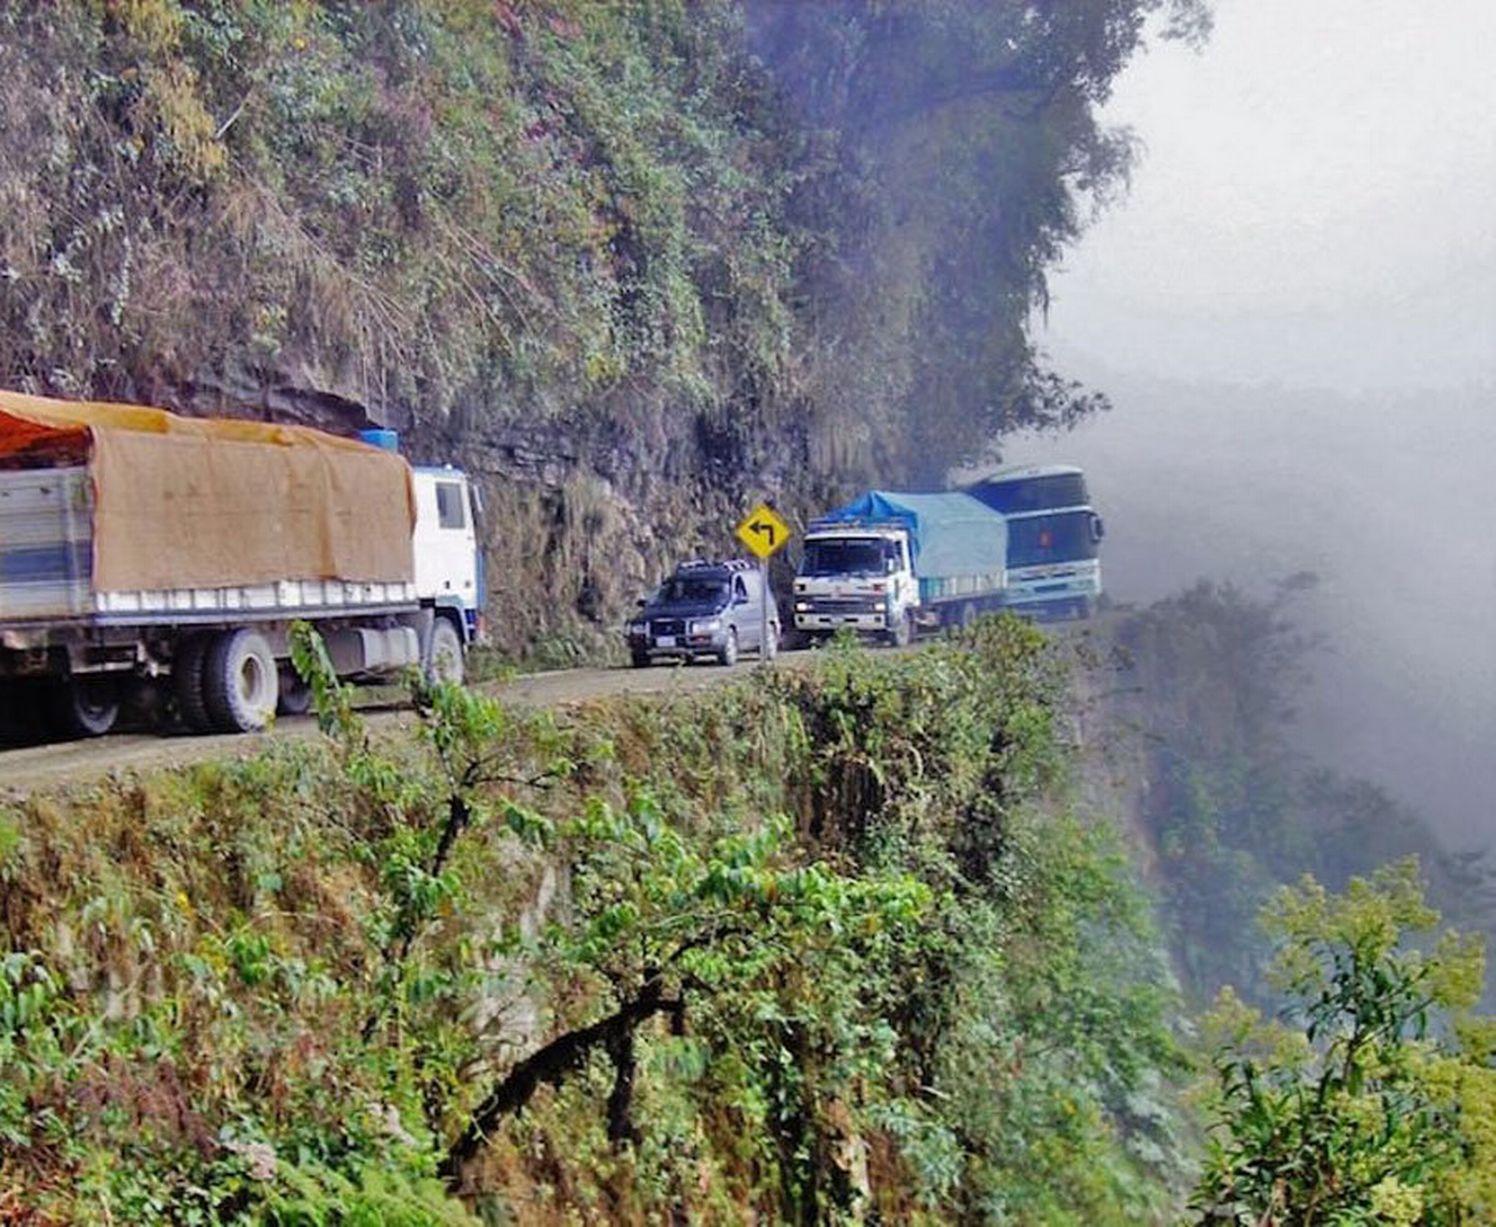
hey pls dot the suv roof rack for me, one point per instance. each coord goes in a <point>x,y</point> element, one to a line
<point>705,564</point>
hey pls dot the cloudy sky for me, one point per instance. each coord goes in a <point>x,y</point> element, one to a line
<point>1316,204</point>
<point>1294,312</point>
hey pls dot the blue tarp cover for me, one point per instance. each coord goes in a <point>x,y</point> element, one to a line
<point>952,534</point>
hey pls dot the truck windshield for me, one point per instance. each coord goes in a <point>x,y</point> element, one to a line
<point>694,591</point>
<point>1064,537</point>
<point>847,556</point>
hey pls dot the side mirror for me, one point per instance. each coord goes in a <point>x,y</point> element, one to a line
<point>1098,528</point>
<point>640,603</point>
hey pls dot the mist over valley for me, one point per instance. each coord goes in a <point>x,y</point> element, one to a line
<point>1386,499</point>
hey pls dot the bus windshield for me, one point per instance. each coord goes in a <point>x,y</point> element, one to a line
<point>849,556</point>
<point>1064,537</point>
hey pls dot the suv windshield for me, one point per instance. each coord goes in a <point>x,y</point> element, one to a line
<point>694,591</point>
<point>849,556</point>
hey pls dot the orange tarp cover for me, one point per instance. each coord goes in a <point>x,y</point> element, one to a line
<point>213,502</point>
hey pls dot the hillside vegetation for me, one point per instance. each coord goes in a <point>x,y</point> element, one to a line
<point>829,945</point>
<point>807,949</point>
<point>634,263</point>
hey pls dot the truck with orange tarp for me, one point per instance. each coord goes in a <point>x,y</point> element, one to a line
<point>152,556</point>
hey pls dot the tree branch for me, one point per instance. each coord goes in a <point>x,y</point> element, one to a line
<point>551,1065</point>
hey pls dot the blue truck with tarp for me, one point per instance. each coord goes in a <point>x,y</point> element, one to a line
<point>889,563</point>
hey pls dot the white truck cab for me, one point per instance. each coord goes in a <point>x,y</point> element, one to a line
<point>449,564</point>
<point>857,575</point>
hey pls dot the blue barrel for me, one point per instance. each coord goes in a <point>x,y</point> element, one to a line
<point>389,440</point>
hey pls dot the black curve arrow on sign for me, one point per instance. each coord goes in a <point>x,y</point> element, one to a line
<point>759,527</point>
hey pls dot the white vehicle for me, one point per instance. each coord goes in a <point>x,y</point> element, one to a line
<point>890,563</point>
<point>164,559</point>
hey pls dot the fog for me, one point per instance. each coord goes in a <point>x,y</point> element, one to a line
<point>1294,312</point>
<point>1388,501</point>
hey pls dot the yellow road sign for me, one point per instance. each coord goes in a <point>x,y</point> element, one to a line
<point>762,531</point>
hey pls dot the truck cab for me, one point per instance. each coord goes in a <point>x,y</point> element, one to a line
<point>857,574</point>
<point>448,563</point>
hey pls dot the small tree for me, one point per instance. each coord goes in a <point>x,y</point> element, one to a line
<point>1373,1100</point>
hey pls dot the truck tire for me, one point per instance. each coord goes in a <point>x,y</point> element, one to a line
<point>445,661</point>
<point>729,653</point>
<point>968,615</point>
<point>640,660</point>
<point>187,683</point>
<point>240,681</point>
<point>84,706</point>
<point>902,632</point>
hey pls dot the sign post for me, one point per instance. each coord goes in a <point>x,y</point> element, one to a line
<point>765,534</point>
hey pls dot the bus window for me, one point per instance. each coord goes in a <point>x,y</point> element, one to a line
<point>1039,493</point>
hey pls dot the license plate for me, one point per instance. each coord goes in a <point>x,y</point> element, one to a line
<point>665,641</point>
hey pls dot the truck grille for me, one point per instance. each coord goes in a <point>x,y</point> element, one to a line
<point>840,605</point>
<point>667,626</point>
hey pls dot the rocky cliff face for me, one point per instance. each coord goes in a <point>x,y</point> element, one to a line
<point>637,266</point>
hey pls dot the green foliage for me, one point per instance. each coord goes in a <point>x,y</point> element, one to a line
<point>806,947</point>
<point>1360,1106</point>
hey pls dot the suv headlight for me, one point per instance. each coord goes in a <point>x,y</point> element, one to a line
<point>705,626</point>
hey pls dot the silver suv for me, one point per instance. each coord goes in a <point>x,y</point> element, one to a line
<point>705,609</point>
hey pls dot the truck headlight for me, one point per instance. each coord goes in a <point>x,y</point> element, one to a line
<point>705,626</point>
<point>638,629</point>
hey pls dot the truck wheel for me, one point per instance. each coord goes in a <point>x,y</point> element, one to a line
<point>85,706</point>
<point>240,681</point>
<point>640,660</point>
<point>445,663</point>
<point>187,683</point>
<point>902,633</point>
<point>295,697</point>
<point>729,653</point>
<point>968,616</point>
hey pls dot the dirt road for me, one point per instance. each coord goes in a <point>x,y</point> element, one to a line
<point>29,768</point>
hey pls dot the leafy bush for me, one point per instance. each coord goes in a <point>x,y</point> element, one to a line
<point>1363,1104</point>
